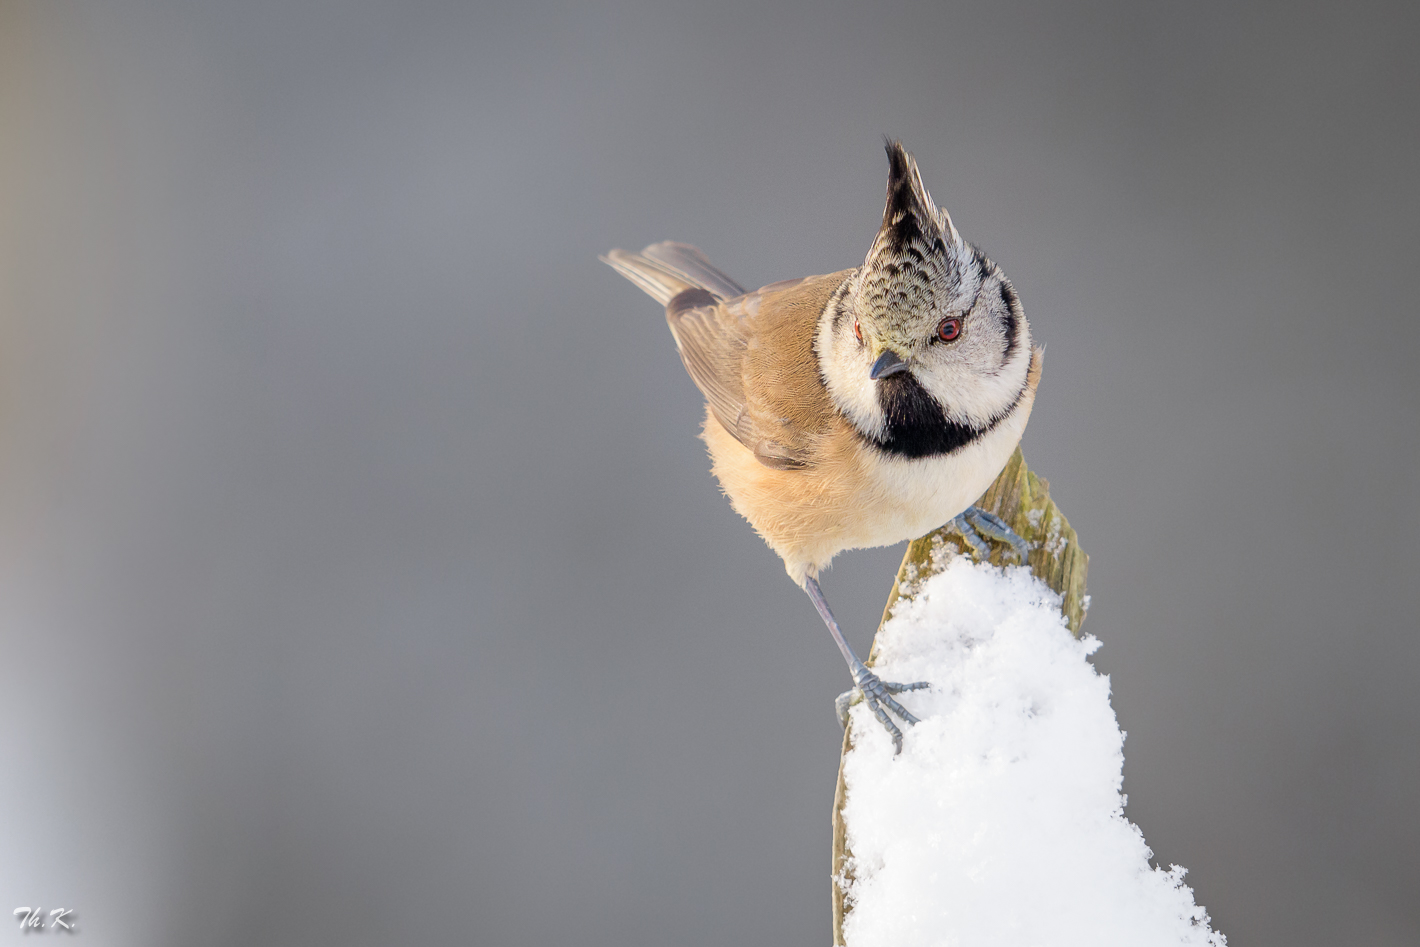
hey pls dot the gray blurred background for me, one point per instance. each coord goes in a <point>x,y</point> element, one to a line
<point>361,577</point>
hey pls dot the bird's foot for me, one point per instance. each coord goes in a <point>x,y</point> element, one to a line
<point>879,695</point>
<point>973,523</point>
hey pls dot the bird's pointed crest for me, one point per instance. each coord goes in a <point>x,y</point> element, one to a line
<point>910,211</point>
<point>917,252</point>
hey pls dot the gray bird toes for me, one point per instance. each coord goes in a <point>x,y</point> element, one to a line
<point>960,525</point>
<point>904,688</point>
<point>843,701</point>
<point>878,693</point>
<point>974,522</point>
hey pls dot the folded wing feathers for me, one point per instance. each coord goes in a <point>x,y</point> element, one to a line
<point>711,352</point>
<point>710,338</point>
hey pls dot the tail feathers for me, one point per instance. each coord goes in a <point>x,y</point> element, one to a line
<point>665,269</point>
<point>691,265</point>
<point>658,283</point>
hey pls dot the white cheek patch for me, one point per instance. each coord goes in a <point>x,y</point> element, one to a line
<point>845,364</point>
<point>975,398</point>
<point>973,387</point>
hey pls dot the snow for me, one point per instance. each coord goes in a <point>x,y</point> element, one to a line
<point>1002,821</point>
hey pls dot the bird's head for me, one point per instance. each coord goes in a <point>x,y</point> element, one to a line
<point>927,332</point>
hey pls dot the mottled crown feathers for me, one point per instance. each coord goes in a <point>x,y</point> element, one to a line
<point>918,259</point>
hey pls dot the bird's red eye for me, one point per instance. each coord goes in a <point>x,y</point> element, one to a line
<point>949,329</point>
<point>857,330</point>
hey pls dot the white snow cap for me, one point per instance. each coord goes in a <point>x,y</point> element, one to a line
<point>1002,821</point>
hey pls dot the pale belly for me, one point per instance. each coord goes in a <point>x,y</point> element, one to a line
<point>914,497</point>
<point>856,498</point>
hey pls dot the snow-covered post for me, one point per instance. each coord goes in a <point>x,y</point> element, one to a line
<point>1002,820</point>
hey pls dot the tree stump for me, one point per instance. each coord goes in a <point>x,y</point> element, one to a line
<point>1022,500</point>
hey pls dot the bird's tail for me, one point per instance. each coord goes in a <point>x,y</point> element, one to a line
<point>665,269</point>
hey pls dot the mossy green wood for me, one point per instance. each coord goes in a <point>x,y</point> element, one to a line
<point>1023,500</point>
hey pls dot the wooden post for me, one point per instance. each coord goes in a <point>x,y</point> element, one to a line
<point>1023,500</point>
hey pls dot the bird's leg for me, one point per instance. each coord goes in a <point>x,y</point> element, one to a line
<point>866,685</point>
<point>974,522</point>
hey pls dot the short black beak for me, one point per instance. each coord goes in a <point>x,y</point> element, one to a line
<point>888,363</point>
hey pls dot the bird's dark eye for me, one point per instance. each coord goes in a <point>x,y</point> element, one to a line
<point>949,328</point>
<point>857,330</point>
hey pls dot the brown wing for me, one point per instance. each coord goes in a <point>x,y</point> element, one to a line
<point>712,340</point>
<point>753,358</point>
<point>750,354</point>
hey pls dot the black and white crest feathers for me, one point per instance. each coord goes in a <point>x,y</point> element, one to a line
<point>918,259</point>
<point>911,215</point>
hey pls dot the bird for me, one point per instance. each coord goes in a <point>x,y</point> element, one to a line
<point>859,408</point>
